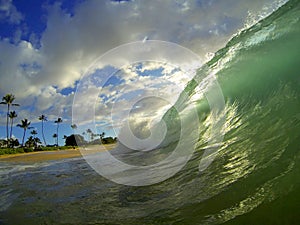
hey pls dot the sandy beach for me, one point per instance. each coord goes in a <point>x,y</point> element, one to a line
<point>51,155</point>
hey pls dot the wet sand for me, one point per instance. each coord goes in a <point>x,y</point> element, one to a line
<point>52,155</point>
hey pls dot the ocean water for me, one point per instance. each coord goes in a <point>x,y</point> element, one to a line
<point>253,179</point>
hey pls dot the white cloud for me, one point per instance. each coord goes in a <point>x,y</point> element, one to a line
<point>9,12</point>
<point>142,98</point>
<point>71,43</point>
<point>18,68</point>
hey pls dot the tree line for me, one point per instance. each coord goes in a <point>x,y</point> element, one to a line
<point>33,140</point>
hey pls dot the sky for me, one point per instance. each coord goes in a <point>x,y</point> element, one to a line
<point>48,47</point>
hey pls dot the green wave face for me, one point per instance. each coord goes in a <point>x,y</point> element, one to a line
<point>254,178</point>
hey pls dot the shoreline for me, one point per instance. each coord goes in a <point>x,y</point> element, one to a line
<point>40,156</point>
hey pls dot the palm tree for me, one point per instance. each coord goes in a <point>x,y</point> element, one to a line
<point>55,137</point>
<point>25,125</point>
<point>14,142</point>
<point>34,132</point>
<point>12,115</point>
<point>58,121</point>
<point>8,100</point>
<point>43,118</point>
<point>37,141</point>
<point>30,142</point>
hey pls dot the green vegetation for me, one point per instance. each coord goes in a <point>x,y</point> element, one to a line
<point>5,151</point>
<point>8,151</point>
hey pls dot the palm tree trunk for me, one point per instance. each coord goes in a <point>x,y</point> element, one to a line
<point>23,137</point>
<point>43,133</point>
<point>7,118</point>
<point>57,134</point>
<point>11,127</point>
